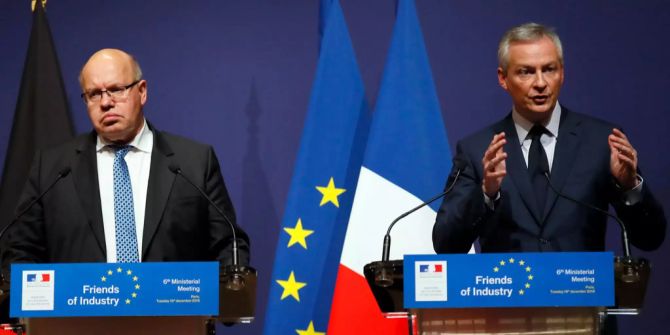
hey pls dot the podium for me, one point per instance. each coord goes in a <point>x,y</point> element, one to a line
<point>563,297</point>
<point>131,298</point>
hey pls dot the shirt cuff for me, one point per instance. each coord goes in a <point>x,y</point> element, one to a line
<point>634,195</point>
<point>490,203</point>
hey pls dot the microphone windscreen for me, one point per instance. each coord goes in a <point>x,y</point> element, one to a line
<point>459,164</point>
<point>174,168</point>
<point>64,171</point>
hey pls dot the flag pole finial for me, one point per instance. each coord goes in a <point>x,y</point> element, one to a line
<point>34,2</point>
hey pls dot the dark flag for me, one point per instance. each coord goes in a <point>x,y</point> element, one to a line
<point>42,116</point>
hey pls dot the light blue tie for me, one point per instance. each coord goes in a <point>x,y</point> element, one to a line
<point>124,212</point>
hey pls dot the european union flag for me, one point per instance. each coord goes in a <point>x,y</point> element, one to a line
<point>322,189</point>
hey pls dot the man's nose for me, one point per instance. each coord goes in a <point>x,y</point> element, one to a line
<point>106,100</point>
<point>540,82</point>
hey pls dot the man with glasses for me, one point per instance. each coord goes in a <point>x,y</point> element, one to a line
<point>120,199</point>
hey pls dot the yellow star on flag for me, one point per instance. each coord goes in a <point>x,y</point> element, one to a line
<point>129,272</point>
<point>310,330</point>
<point>330,193</point>
<point>291,287</point>
<point>530,277</point>
<point>528,269</point>
<point>103,278</point>
<point>521,292</point>
<point>495,269</point>
<point>137,286</point>
<point>298,234</point>
<point>522,263</point>
<point>110,272</point>
<point>511,260</point>
<point>527,285</point>
<point>119,270</point>
<point>127,301</point>
<point>502,263</point>
<point>134,295</point>
<point>135,278</point>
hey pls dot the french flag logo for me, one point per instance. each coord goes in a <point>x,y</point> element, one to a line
<point>430,268</point>
<point>39,278</point>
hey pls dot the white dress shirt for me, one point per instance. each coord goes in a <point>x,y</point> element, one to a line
<point>138,160</point>
<point>548,140</point>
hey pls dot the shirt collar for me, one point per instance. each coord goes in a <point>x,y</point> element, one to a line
<point>140,142</point>
<point>523,126</point>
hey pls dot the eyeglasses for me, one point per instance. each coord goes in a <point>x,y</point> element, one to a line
<point>114,93</point>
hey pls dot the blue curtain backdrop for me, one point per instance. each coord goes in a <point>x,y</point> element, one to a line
<point>238,73</point>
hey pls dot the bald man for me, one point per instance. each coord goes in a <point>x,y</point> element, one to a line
<point>121,200</point>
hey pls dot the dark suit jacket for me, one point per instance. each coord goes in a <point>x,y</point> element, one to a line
<point>581,169</point>
<point>179,225</point>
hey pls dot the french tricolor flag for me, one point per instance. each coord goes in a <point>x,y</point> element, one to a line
<point>407,159</point>
<point>39,277</point>
<point>431,268</point>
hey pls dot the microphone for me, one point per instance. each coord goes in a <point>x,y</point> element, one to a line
<point>384,276</point>
<point>629,275</point>
<point>61,174</point>
<point>236,281</point>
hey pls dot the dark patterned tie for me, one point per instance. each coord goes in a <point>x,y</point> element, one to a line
<point>124,212</point>
<point>537,162</point>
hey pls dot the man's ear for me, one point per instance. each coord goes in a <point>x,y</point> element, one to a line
<point>502,78</point>
<point>142,88</point>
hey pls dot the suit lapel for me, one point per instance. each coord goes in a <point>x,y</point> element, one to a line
<point>158,190</point>
<point>85,176</point>
<point>517,169</point>
<point>564,154</point>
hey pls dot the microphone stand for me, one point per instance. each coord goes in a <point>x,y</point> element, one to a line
<point>631,275</point>
<point>239,280</point>
<point>4,282</point>
<point>13,324</point>
<point>384,273</point>
<point>233,275</point>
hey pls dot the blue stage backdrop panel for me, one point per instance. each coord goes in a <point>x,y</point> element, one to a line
<point>237,74</point>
